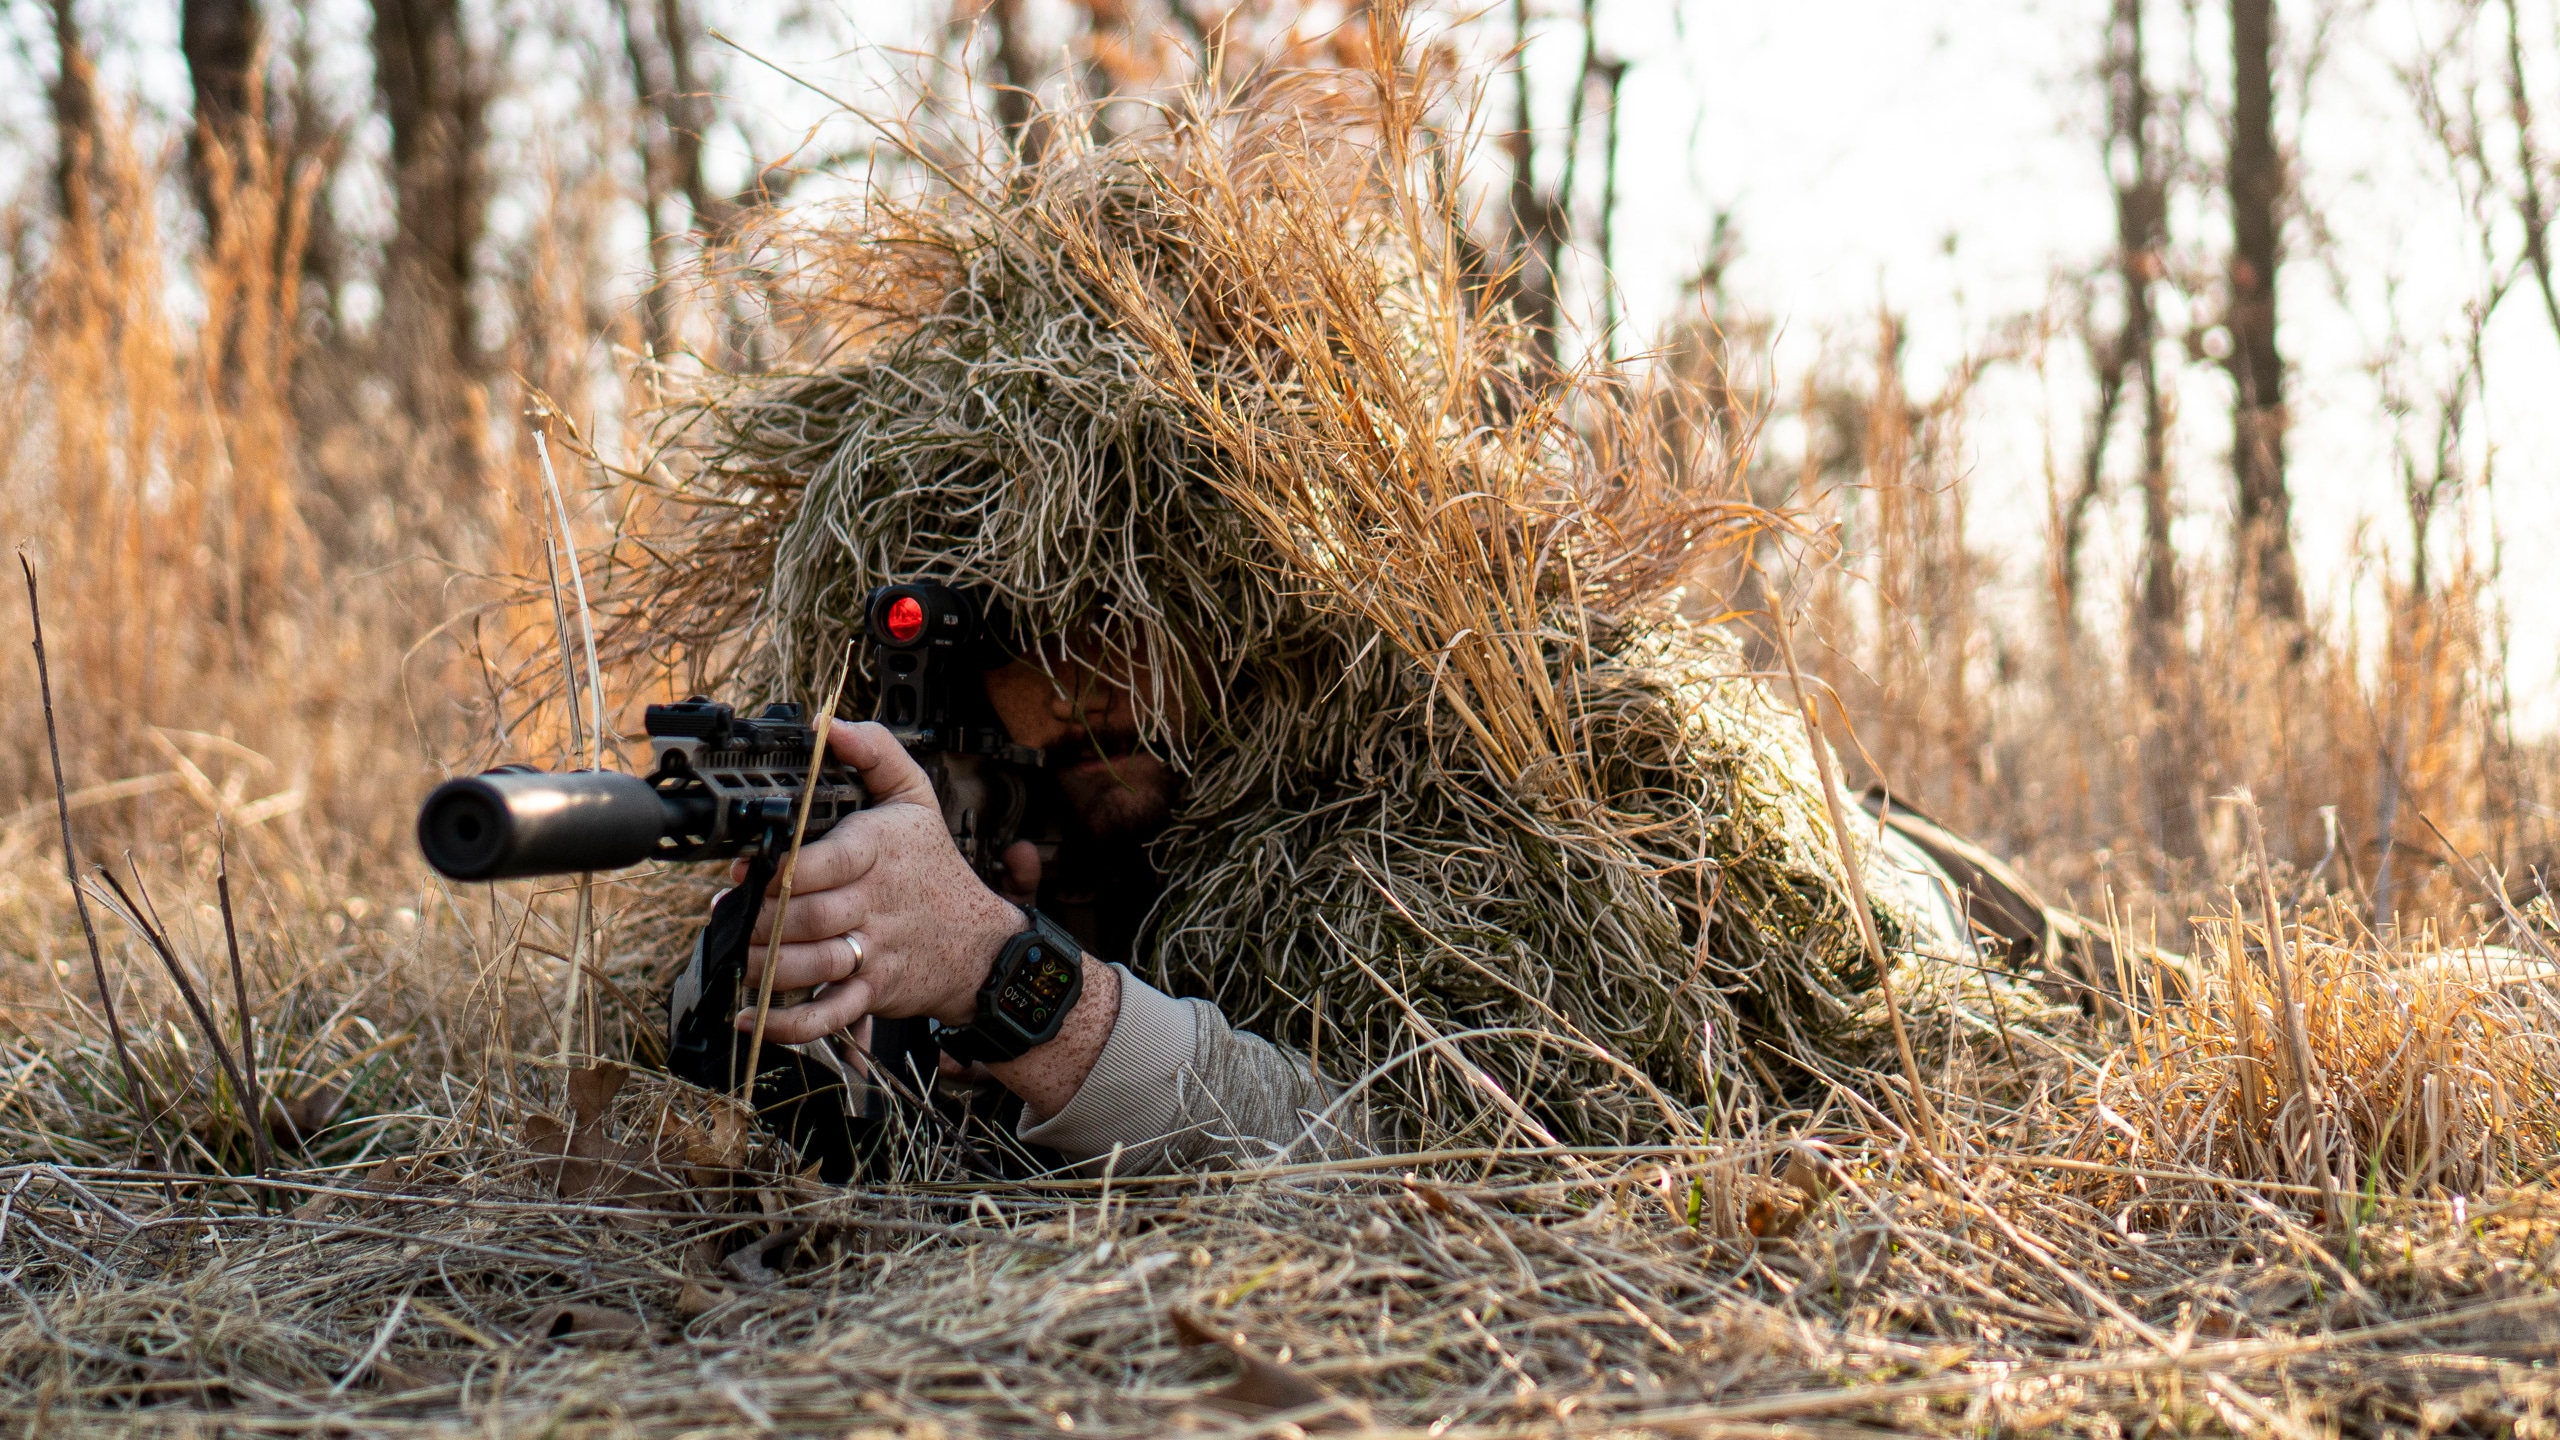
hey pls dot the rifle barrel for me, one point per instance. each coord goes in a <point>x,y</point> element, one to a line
<point>513,823</point>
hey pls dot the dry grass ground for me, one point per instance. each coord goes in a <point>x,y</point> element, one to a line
<point>2105,1242</point>
<point>2294,1189</point>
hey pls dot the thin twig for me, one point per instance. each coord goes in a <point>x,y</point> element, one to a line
<point>1784,625</point>
<point>146,1110</point>
<point>135,915</point>
<point>595,737</point>
<point>586,617</point>
<point>256,1102</point>
<point>2315,1116</point>
<point>824,723</point>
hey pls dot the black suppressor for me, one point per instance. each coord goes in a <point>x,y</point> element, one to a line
<point>723,787</point>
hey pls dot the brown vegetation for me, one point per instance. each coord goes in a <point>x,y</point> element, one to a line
<point>2308,1193</point>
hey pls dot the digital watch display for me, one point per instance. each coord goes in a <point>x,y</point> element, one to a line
<point>1035,981</point>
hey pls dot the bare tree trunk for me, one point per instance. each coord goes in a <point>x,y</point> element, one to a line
<point>689,115</point>
<point>2161,661</point>
<point>1016,78</point>
<point>1112,46</point>
<point>2264,548</point>
<point>435,94</point>
<point>315,140</point>
<point>1613,73</point>
<point>1534,236</point>
<point>656,88</point>
<point>75,117</point>
<point>224,42</point>
<point>2128,366</point>
<point>679,110</point>
<point>2531,206</point>
<point>2139,177</point>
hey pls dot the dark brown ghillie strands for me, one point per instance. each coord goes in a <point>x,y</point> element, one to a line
<point>136,1093</point>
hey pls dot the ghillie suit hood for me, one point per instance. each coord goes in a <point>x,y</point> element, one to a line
<point>1470,814</point>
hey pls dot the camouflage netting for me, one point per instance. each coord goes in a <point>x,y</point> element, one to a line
<point>1229,399</point>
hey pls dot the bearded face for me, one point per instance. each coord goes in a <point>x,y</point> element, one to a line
<point>1086,719</point>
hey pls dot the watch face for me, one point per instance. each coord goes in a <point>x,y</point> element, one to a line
<point>1032,999</point>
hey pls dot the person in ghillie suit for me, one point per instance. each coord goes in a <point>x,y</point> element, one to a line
<point>1411,811</point>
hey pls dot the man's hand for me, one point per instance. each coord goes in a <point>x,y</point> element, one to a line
<point>884,910</point>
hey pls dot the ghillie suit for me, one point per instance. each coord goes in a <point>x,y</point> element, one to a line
<point>1470,814</point>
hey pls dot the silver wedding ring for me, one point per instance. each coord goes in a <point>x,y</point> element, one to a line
<point>854,941</point>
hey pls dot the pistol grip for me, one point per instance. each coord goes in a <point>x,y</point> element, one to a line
<point>702,1044</point>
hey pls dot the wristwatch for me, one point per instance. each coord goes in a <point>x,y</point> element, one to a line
<point>1036,980</point>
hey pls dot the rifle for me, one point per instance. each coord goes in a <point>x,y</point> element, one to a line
<point>724,786</point>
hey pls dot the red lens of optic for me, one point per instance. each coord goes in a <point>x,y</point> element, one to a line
<point>905,620</point>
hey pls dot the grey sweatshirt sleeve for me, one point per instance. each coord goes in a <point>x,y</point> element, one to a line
<point>1175,1088</point>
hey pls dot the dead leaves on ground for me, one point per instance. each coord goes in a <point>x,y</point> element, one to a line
<point>384,1178</point>
<point>292,1123</point>
<point>1265,1386</point>
<point>590,1325</point>
<point>581,1161</point>
<point>1776,1215</point>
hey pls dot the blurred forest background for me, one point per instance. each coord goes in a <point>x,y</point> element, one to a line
<point>286,288</point>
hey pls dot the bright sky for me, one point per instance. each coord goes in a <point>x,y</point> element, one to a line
<point>1941,158</point>
<point>1935,156</point>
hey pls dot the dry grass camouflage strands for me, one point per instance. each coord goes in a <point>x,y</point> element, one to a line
<point>1466,801</point>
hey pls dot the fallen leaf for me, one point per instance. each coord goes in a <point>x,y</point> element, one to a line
<point>1263,1386</point>
<point>1766,1219</point>
<point>697,1300</point>
<point>416,1375</point>
<point>1761,1216</point>
<point>582,1164</point>
<point>591,1093</point>
<point>707,1308</point>
<point>731,1137</point>
<point>1809,1177</point>
<point>748,1265</point>
<point>2275,1291</point>
<point>294,1122</point>
<point>587,1325</point>
<point>1267,1386</point>
<point>686,1149</point>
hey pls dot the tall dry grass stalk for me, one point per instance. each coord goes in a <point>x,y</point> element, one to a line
<point>264,619</point>
<point>2382,753</point>
<point>154,477</point>
<point>2420,1069</point>
<point>1484,559</point>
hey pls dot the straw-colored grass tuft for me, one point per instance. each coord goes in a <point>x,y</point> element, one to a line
<point>2417,1069</point>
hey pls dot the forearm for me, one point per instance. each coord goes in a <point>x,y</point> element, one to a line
<point>1172,1086</point>
<point>1049,1077</point>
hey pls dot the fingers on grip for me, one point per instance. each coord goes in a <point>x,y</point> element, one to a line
<point>829,1013</point>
